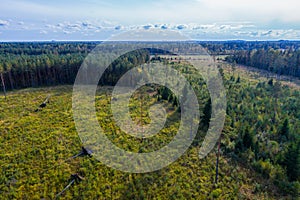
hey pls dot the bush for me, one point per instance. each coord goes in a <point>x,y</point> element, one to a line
<point>216,193</point>
<point>291,188</point>
<point>263,167</point>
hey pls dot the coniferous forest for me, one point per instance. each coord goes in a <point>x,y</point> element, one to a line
<point>42,156</point>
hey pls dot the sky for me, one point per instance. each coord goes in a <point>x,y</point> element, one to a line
<point>36,20</point>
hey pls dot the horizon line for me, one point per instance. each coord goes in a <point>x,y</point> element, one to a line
<point>191,40</point>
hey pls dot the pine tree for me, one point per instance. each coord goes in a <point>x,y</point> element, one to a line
<point>248,139</point>
<point>207,113</point>
<point>284,131</point>
<point>292,162</point>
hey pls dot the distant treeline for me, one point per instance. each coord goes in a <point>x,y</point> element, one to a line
<point>280,61</point>
<point>44,64</point>
<point>40,48</point>
<point>229,47</point>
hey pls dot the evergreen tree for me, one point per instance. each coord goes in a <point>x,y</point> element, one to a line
<point>284,131</point>
<point>207,113</point>
<point>292,161</point>
<point>247,139</point>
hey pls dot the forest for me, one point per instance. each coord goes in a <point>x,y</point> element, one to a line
<point>30,65</point>
<point>259,154</point>
<point>280,60</point>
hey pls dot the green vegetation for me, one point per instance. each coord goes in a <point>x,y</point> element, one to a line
<point>279,61</point>
<point>260,144</point>
<point>36,147</point>
<point>264,130</point>
<point>30,65</point>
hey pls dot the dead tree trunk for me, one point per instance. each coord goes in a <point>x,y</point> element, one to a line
<point>74,178</point>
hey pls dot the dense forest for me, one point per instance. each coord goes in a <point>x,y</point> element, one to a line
<point>259,156</point>
<point>44,64</point>
<point>280,61</point>
<point>39,64</point>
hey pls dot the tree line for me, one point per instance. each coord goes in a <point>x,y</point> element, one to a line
<point>279,61</point>
<point>25,65</point>
<point>230,47</point>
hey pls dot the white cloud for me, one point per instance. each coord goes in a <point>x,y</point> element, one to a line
<point>147,27</point>
<point>67,32</point>
<point>162,11</point>
<point>275,34</point>
<point>119,27</point>
<point>181,26</point>
<point>74,27</point>
<point>102,29</point>
<point>4,23</point>
<point>164,27</point>
<point>43,32</point>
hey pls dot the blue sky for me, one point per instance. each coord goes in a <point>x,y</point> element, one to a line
<point>100,19</point>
